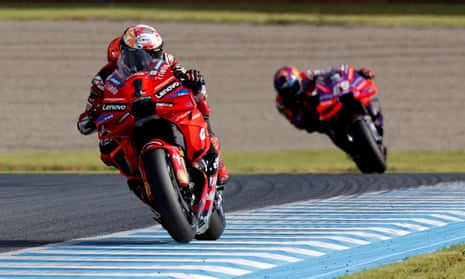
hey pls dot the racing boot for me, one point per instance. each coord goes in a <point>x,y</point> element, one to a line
<point>137,187</point>
<point>223,175</point>
<point>374,109</point>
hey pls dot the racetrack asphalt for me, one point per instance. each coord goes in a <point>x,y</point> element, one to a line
<point>39,209</point>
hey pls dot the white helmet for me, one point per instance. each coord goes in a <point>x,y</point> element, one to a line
<point>143,37</point>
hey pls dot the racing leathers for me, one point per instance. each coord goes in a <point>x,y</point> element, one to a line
<point>191,78</point>
<point>303,115</point>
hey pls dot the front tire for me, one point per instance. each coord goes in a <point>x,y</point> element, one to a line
<point>368,155</point>
<point>176,216</point>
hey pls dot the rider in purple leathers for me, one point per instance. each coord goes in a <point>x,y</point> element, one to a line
<point>297,99</point>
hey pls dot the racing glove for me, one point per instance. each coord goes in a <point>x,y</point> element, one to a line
<point>193,79</point>
<point>85,126</point>
<point>367,73</point>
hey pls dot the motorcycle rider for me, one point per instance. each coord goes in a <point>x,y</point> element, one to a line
<point>149,39</point>
<point>297,99</point>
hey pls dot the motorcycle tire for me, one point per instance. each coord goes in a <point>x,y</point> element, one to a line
<point>368,156</point>
<point>175,214</point>
<point>215,229</point>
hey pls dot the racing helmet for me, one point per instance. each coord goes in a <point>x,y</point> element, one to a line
<point>143,37</point>
<point>288,83</point>
<point>113,49</point>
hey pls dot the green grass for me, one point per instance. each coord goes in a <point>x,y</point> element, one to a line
<point>446,263</point>
<point>388,14</point>
<point>247,162</point>
<point>334,161</point>
<point>54,161</point>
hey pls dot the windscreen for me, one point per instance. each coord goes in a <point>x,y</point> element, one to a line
<point>132,61</point>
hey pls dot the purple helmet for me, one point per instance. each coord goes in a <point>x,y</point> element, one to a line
<point>288,83</point>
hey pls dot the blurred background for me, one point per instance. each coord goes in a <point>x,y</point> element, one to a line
<point>47,65</point>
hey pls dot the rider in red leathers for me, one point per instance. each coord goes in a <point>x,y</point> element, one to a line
<point>297,99</point>
<point>148,38</point>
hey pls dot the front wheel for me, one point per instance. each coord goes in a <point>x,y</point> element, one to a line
<point>368,154</point>
<point>176,216</point>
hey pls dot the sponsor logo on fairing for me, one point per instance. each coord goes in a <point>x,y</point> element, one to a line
<point>114,107</point>
<point>166,90</point>
<point>162,71</point>
<point>159,69</point>
<point>180,93</point>
<point>116,81</point>
<point>111,88</point>
<point>164,105</point>
<point>103,118</point>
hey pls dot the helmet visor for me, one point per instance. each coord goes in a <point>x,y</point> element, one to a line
<point>291,92</point>
<point>155,53</point>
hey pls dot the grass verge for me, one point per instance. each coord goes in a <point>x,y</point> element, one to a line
<point>386,14</point>
<point>247,162</point>
<point>446,263</point>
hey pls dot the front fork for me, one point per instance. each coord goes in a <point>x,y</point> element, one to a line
<point>202,195</point>
<point>211,197</point>
<point>179,170</point>
<point>176,156</point>
<point>371,125</point>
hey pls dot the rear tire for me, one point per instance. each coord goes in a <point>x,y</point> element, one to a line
<point>175,214</point>
<point>368,155</point>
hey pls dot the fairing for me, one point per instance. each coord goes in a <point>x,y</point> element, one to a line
<point>332,86</point>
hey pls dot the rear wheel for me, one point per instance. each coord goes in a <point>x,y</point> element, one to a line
<point>176,216</point>
<point>368,155</point>
<point>216,226</point>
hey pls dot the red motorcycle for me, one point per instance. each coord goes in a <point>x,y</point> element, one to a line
<point>159,137</point>
<point>346,107</point>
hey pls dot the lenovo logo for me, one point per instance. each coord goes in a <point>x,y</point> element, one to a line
<point>160,94</point>
<point>114,107</point>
